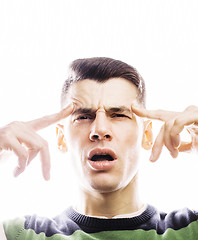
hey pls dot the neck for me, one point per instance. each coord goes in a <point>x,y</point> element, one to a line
<point>122,201</point>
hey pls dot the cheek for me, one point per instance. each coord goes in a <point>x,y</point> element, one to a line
<point>129,133</point>
<point>76,139</point>
<point>130,142</point>
<point>74,145</point>
<point>131,147</point>
<point>69,135</point>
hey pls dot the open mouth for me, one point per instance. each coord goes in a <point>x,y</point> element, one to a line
<point>100,157</point>
<point>100,154</point>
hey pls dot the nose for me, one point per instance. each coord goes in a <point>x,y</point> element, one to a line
<point>100,128</point>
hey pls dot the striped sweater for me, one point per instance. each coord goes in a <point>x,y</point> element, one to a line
<point>150,225</point>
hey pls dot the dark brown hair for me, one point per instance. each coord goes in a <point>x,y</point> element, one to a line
<point>101,69</point>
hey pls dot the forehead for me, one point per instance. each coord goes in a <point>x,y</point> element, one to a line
<point>114,92</point>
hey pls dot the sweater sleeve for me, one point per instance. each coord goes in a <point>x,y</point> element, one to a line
<point>17,229</point>
<point>13,228</point>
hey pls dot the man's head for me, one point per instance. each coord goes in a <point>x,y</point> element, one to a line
<point>101,69</point>
<point>102,134</point>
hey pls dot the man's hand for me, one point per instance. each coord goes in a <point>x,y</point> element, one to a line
<point>169,135</point>
<point>22,139</point>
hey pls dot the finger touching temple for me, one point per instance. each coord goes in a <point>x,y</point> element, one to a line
<point>46,121</point>
<point>161,115</point>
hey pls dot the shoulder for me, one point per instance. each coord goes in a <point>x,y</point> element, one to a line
<point>61,224</point>
<point>29,224</point>
<point>12,228</point>
<point>175,220</point>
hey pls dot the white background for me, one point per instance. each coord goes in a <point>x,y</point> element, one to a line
<point>39,38</point>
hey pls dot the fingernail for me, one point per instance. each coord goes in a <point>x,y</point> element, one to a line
<point>73,106</point>
<point>47,176</point>
<point>176,143</point>
<point>174,154</point>
<point>69,105</point>
<point>17,171</point>
<point>151,158</point>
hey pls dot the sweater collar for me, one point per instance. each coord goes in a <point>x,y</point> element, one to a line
<point>109,224</point>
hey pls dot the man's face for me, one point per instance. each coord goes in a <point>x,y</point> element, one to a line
<point>103,135</point>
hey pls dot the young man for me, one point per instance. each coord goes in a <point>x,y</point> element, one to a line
<point>104,124</point>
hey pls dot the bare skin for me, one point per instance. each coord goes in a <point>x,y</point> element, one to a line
<point>114,188</point>
<point>103,120</point>
<point>14,135</point>
<point>22,139</point>
<point>169,135</point>
<point>11,136</point>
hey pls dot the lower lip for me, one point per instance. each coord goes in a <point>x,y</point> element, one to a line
<point>102,165</point>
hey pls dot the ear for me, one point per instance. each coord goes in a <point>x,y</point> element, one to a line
<point>147,140</point>
<point>60,138</point>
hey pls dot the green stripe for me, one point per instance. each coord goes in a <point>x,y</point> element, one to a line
<point>188,233</point>
<point>13,228</point>
<point>19,233</point>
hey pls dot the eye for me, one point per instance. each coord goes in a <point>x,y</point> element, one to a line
<point>117,115</point>
<point>83,118</point>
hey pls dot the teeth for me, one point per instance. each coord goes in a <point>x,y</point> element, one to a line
<point>102,158</point>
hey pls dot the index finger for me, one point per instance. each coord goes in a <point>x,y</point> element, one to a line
<point>161,115</point>
<point>46,121</point>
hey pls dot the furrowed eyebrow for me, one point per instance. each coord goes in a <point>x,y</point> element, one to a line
<point>121,109</point>
<point>84,111</point>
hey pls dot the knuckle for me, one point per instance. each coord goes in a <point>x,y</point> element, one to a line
<point>191,107</point>
<point>15,124</point>
<point>172,133</point>
<point>43,144</point>
<point>177,122</point>
<point>12,126</point>
<point>167,125</point>
<point>23,158</point>
<point>5,137</point>
<point>38,144</point>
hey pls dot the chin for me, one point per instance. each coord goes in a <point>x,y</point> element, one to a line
<point>104,184</point>
<point>104,189</point>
